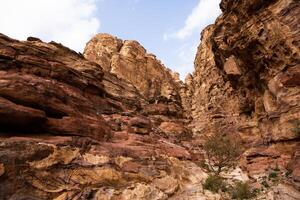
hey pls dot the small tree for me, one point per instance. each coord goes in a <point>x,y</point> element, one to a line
<point>222,151</point>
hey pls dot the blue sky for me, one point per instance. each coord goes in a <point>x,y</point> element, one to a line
<point>170,29</point>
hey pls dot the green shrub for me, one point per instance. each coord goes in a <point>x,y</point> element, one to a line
<point>273,175</point>
<point>242,191</point>
<point>288,173</point>
<point>222,152</point>
<point>265,184</point>
<point>214,183</point>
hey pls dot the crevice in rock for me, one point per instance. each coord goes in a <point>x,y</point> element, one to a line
<point>283,141</point>
<point>49,111</point>
<point>11,129</point>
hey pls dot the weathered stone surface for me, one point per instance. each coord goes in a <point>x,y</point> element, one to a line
<point>217,94</point>
<point>60,168</point>
<point>71,131</point>
<point>63,155</point>
<point>101,49</point>
<point>231,66</point>
<point>121,90</point>
<point>246,81</point>
<point>293,168</point>
<point>175,129</point>
<point>140,125</point>
<point>283,191</point>
<point>260,161</point>
<point>167,184</point>
<point>167,109</point>
<point>19,116</point>
<point>120,129</point>
<point>130,61</point>
<point>142,191</point>
<point>51,89</point>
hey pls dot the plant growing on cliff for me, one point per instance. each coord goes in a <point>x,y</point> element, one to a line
<point>214,183</point>
<point>242,191</point>
<point>222,152</point>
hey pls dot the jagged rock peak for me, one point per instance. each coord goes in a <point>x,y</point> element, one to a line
<point>130,61</point>
<point>69,129</point>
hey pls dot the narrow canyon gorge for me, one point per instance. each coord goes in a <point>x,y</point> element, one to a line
<point>114,123</point>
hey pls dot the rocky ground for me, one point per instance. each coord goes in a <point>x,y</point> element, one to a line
<point>115,123</point>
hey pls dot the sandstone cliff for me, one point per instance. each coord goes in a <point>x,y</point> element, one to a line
<point>130,61</point>
<point>246,82</point>
<point>114,123</point>
<point>70,130</point>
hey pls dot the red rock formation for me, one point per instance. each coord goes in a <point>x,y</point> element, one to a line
<point>130,61</point>
<point>49,88</point>
<point>246,80</point>
<point>69,130</point>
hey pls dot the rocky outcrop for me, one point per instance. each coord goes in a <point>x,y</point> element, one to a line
<point>116,124</point>
<point>71,130</point>
<point>246,80</point>
<point>130,61</point>
<point>51,89</point>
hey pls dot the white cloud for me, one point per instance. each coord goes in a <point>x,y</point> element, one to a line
<point>203,14</point>
<point>70,22</point>
<point>186,55</point>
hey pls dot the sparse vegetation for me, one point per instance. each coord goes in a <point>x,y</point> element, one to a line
<point>288,173</point>
<point>214,183</point>
<point>242,191</point>
<point>222,152</point>
<point>265,184</point>
<point>273,175</point>
<point>204,165</point>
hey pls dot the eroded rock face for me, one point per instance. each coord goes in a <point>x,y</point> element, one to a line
<point>70,130</point>
<point>246,80</point>
<point>51,89</point>
<point>115,127</point>
<point>130,61</point>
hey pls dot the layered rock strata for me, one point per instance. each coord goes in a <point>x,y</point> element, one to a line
<point>115,123</point>
<point>71,130</point>
<point>246,82</point>
<point>130,61</point>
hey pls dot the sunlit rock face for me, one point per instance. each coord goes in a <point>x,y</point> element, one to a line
<point>130,61</point>
<point>72,130</point>
<point>246,81</point>
<point>114,123</point>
